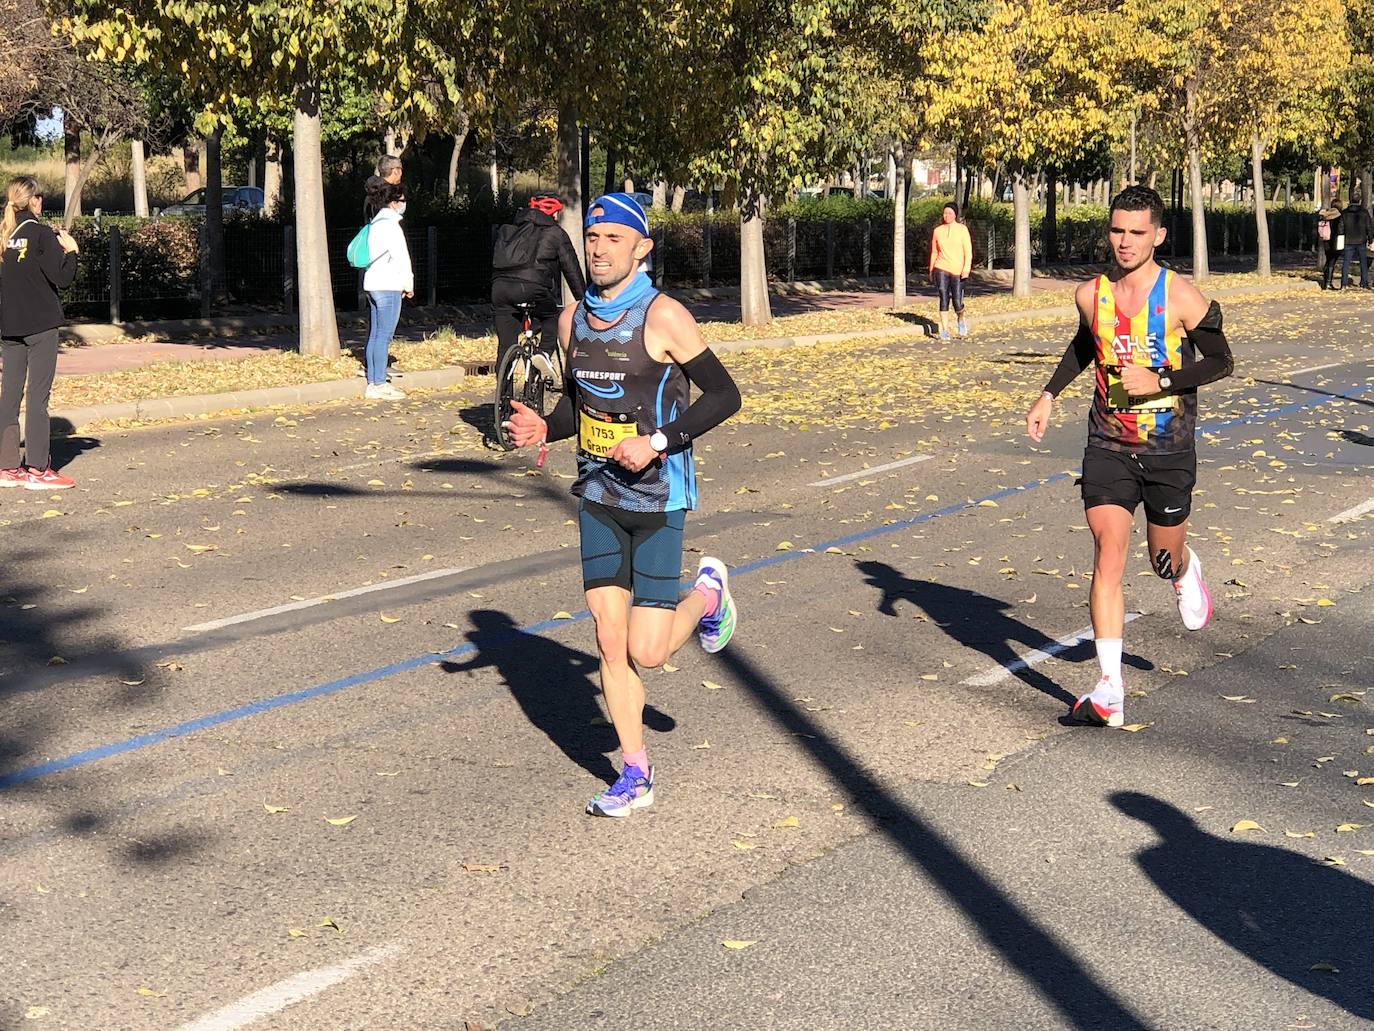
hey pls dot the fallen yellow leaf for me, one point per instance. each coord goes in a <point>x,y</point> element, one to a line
<point>562,615</point>
<point>787,822</point>
<point>276,808</point>
<point>1346,828</point>
<point>482,867</point>
<point>744,846</point>
<point>388,619</point>
<point>339,821</point>
<point>149,993</point>
<point>710,685</point>
<point>1136,728</point>
<point>733,943</point>
<point>1245,825</point>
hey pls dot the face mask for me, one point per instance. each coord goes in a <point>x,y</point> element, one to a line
<point>401,208</point>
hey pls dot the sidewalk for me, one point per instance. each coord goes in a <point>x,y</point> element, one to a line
<point>258,337</point>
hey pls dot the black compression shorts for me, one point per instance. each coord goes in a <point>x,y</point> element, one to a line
<point>640,552</point>
<point>1163,482</point>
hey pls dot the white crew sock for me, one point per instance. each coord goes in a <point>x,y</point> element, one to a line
<point>1190,583</point>
<point>1109,658</point>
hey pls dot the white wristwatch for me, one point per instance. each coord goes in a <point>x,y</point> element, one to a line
<point>658,441</point>
<point>1165,382</point>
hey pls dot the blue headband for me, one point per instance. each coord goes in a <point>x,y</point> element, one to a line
<point>620,209</point>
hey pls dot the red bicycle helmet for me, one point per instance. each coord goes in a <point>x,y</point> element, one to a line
<point>547,203</point>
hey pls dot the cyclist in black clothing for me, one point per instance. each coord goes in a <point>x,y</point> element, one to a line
<point>529,256</point>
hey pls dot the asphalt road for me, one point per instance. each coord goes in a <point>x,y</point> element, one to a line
<point>235,632</point>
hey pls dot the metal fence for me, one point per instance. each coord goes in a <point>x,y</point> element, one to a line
<point>134,269</point>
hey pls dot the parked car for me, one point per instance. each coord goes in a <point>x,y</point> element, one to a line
<point>235,198</point>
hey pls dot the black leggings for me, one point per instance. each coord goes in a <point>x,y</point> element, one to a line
<point>33,359</point>
<point>509,319</point>
<point>950,285</point>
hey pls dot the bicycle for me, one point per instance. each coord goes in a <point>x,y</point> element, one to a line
<point>518,378</point>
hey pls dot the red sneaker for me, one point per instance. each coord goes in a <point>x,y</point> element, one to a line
<point>46,479</point>
<point>13,477</point>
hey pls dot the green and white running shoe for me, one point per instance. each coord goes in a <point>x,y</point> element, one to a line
<point>716,630</point>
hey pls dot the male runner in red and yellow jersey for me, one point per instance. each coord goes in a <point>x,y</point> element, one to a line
<point>1154,339</point>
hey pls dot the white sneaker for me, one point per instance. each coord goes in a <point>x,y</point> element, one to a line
<point>541,361</point>
<point>374,391</point>
<point>1103,707</point>
<point>1194,599</point>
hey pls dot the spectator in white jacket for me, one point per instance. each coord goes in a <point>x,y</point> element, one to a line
<point>389,277</point>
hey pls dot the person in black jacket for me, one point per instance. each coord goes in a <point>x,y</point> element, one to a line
<point>1329,224</point>
<point>388,174</point>
<point>529,256</point>
<point>35,262</point>
<point>1359,230</point>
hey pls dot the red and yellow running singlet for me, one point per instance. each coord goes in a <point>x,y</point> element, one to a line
<point>1150,426</point>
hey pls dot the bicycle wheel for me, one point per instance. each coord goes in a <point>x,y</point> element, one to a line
<point>516,380</point>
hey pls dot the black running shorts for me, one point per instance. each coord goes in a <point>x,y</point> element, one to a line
<point>640,552</point>
<point>1164,482</point>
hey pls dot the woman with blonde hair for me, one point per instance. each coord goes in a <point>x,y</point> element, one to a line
<point>36,261</point>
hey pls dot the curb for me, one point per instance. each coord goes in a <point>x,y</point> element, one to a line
<point>433,379</point>
<point>207,404</point>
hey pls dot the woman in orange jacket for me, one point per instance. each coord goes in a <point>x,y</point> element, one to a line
<point>951,260</point>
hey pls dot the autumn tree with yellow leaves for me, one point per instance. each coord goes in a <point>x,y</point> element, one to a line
<point>1028,88</point>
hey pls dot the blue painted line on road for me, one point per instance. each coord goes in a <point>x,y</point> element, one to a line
<point>102,752</point>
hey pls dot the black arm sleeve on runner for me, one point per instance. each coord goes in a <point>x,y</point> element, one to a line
<point>1215,363</point>
<point>561,423</point>
<point>1080,353</point>
<point>719,399</point>
<point>572,268</point>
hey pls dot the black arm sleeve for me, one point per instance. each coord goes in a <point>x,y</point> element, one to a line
<point>561,423</point>
<point>58,265</point>
<point>719,399</point>
<point>572,268</point>
<point>1080,353</point>
<point>1215,363</point>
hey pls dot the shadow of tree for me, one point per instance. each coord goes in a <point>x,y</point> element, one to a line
<point>1280,909</point>
<point>1082,1000</point>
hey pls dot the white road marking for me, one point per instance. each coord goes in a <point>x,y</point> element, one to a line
<point>1353,513</point>
<point>1314,368</point>
<point>286,993</point>
<point>999,673</point>
<point>831,481</point>
<point>389,585</point>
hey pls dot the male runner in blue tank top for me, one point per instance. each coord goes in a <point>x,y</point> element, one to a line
<point>630,355</point>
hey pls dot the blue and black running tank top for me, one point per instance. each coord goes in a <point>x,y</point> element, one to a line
<point>621,392</point>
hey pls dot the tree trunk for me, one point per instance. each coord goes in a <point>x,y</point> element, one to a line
<point>660,200</point>
<point>271,175</point>
<point>389,142</point>
<point>252,170</point>
<point>568,163</point>
<point>897,188</point>
<point>71,148</point>
<point>1021,268</point>
<point>608,183</point>
<point>1365,174</point>
<point>1050,244</point>
<point>460,137</point>
<point>214,216</point>
<point>319,328</point>
<point>679,195</point>
<point>1261,215</point>
<point>629,185</point>
<point>83,172</point>
<point>753,273</point>
<point>494,175</point>
<point>140,177</point>
<point>1201,272</point>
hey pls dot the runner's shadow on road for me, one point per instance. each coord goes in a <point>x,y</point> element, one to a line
<point>928,325</point>
<point>979,622</point>
<point>1280,909</point>
<point>554,685</point>
<point>1314,390</point>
